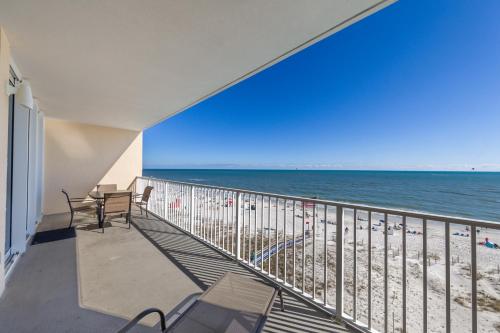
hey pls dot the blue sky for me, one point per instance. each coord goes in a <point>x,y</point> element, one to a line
<point>415,86</point>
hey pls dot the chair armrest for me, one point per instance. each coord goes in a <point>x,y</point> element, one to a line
<point>143,314</point>
<point>81,200</point>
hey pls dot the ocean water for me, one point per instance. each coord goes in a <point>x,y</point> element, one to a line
<point>467,194</point>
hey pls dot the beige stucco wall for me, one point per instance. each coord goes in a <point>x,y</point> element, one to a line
<point>4,117</point>
<point>79,156</point>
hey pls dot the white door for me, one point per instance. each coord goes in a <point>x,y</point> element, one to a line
<point>8,208</point>
<point>20,168</point>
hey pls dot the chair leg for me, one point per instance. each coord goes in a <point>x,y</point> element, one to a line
<point>71,221</point>
<point>140,207</point>
<point>146,210</point>
<point>128,219</point>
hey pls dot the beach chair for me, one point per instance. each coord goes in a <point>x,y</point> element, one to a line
<point>234,303</point>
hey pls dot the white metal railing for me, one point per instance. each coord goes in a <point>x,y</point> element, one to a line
<point>374,268</point>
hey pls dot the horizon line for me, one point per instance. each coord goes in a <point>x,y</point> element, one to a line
<point>319,169</point>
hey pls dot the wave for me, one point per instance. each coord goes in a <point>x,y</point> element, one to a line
<point>197,180</point>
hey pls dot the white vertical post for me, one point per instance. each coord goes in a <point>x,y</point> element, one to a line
<point>238,225</point>
<point>386,275</point>
<point>314,253</point>
<point>191,211</point>
<point>277,244</point>
<point>284,241</point>
<point>448,277</point>
<point>294,241</point>
<point>303,247</point>
<point>149,183</point>
<point>165,201</point>
<point>424,280</point>
<point>473,245</point>
<point>404,274</point>
<point>261,233</point>
<point>354,266</point>
<point>369,270</point>
<point>268,235</point>
<point>340,264</point>
<point>325,258</point>
<point>242,226</point>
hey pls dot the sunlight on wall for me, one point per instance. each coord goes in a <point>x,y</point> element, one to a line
<point>80,156</point>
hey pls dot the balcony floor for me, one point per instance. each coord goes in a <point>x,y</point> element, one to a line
<point>84,281</point>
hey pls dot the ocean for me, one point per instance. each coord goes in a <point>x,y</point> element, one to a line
<point>466,194</point>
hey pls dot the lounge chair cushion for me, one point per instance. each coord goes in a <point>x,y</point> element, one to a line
<point>235,303</point>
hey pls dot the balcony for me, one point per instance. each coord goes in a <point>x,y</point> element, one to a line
<point>82,280</point>
<point>337,277</point>
<point>374,269</point>
<point>74,111</point>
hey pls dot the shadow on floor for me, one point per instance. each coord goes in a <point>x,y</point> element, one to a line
<point>204,266</point>
<point>53,235</point>
<point>42,292</point>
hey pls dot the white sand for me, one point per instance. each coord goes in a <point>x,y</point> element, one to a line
<point>488,263</point>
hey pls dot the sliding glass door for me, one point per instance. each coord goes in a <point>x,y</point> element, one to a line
<point>8,217</point>
<point>24,175</point>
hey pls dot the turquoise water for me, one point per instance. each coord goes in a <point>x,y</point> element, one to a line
<point>468,194</point>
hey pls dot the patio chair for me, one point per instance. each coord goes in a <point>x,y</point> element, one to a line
<point>145,199</point>
<point>107,187</point>
<point>234,303</point>
<point>117,203</point>
<point>79,205</point>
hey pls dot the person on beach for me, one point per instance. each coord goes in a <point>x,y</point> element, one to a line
<point>489,244</point>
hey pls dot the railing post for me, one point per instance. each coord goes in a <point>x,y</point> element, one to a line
<point>167,210</point>
<point>191,211</point>
<point>339,286</point>
<point>165,199</point>
<point>238,224</point>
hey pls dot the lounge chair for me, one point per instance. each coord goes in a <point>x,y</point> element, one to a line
<point>234,303</point>
<point>79,205</point>
<point>117,204</point>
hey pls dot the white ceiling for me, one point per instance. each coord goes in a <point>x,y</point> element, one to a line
<point>130,64</point>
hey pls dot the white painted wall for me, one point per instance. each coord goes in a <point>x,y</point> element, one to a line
<point>4,119</point>
<point>80,156</point>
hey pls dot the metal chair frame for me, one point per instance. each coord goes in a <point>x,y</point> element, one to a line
<point>75,209</point>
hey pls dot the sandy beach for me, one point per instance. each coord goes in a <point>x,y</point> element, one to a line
<point>261,225</point>
<point>258,231</point>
